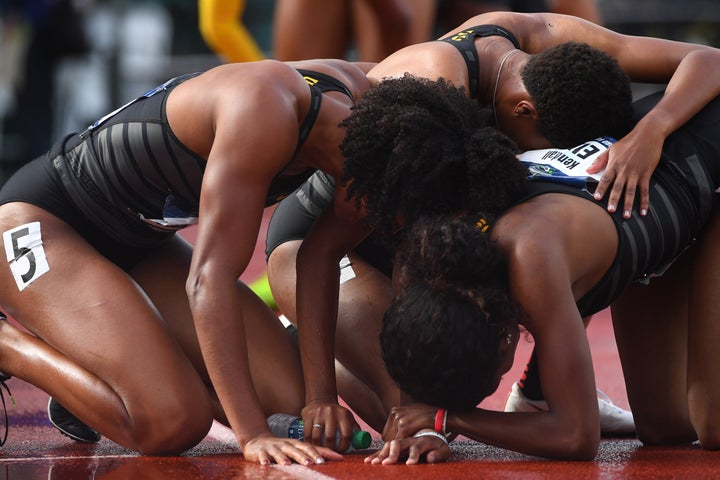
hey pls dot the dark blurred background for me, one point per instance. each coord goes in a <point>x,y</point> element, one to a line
<point>64,63</point>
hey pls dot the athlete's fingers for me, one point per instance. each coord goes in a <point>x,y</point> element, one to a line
<point>304,454</point>
<point>605,181</point>
<point>628,201</point>
<point>396,451</point>
<point>414,454</point>
<point>615,195</point>
<point>644,196</point>
<point>436,456</point>
<point>263,458</point>
<point>599,163</point>
<point>330,430</point>
<point>405,428</point>
<point>378,456</point>
<point>278,455</point>
<point>390,429</point>
<point>327,454</point>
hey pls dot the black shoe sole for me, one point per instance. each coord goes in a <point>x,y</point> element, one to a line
<point>70,426</point>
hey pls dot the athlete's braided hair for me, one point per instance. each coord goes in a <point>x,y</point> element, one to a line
<point>580,93</point>
<point>442,333</point>
<point>415,146</point>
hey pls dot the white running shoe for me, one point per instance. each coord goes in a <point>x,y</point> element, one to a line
<point>613,419</point>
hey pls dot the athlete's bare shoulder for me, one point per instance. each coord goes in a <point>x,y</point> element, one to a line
<point>265,80</point>
<point>234,94</point>
<point>508,20</point>
<point>250,72</point>
<point>533,31</point>
<point>352,75</point>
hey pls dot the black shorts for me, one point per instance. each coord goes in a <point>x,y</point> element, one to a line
<point>37,183</point>
<point>295,214</point>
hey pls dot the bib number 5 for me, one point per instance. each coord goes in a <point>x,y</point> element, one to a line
<point>25,253</point>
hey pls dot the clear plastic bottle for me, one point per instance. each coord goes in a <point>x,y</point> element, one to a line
<point>289,426</point>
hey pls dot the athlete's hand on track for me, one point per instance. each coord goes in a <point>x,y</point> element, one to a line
<point>267,448</point>
<point>321,417</point>
<point>628,164</point>
<point>411,450</point>
<point>405,421</point>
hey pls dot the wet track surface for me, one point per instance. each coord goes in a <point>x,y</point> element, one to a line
<point>35,450</point>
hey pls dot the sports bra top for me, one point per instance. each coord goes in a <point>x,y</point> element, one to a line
<point>129,168</point>
<point>648,245</point>
<point>319,83</point>
<point>464,41</point>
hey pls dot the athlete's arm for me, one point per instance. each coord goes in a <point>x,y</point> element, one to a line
<point>691,72</point>
<point>542,279</point>
<point>569,430</point>
<point>233,193</point>
<point>333,235</point>
<point>546,266</point>
<point>631,161</point>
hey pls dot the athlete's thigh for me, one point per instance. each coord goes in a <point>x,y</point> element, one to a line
<point>63,291</point>
<point>272,357</point>
<point>162,276</point>
<point>365,294</point>
<point>704,336</point>
<point>650,324</point>
<point>282,276</point>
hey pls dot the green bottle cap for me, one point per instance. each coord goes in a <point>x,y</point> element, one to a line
<point>361,439</point>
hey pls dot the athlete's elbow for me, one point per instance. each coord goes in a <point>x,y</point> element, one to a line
<point>195,288</point>
<point>579,444</point>
<point>585,449</point>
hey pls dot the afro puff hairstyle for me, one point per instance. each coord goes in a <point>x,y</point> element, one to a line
<point>441,335</point>
<point>580,93</point>
<point>415,146</point>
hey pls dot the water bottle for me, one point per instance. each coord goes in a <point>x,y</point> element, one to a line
<point>289,426</point>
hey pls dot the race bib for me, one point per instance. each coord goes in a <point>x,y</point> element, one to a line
<point>566,165</point>
<point>25,253</point>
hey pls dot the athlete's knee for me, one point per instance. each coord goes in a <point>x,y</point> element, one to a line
<point>173,426</point>
<point>709,438</point>
<point>707,427</point>
<point>281,276</point>
<point>665,432</point>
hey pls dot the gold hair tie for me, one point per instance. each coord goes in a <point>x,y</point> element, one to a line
<point>482,224</point>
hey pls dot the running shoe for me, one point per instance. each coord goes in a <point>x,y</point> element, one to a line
<point>69,425</point>
<point>3,386</point>
<point>614,420</point>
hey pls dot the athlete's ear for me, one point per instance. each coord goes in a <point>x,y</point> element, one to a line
<point>525,108</point>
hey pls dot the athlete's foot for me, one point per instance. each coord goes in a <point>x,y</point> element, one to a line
<point>614,421</point>
<point>69,425</point>
<point>3,386</point>
<point>58,415</point>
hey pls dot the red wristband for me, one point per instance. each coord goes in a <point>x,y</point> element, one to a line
<point>439,420</point>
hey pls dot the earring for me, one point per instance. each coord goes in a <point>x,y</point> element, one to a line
<point>508,338</point>
<point>517,112</point>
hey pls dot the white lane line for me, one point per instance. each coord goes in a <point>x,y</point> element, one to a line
<point>302,472</point>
